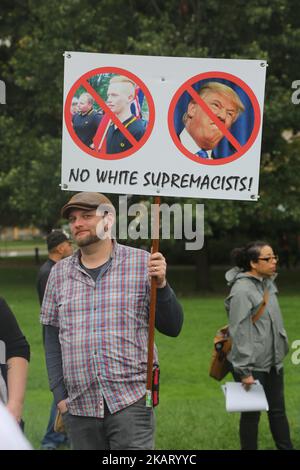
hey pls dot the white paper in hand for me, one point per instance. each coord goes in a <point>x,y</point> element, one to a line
<point>238,399</point>
<point>11,436</point>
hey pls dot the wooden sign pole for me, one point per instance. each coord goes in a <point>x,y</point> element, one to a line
<point>155,248</point>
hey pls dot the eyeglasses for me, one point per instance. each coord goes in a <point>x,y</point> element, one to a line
<point>270,258</point>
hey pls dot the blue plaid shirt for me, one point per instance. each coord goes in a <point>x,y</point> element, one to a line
<point>103,330</point>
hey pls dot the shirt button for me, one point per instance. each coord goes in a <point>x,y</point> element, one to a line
<point>95,353</point>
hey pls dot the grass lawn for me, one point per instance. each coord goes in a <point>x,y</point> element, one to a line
<point>191,413</point>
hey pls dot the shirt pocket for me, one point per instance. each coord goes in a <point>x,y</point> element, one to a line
<point>73,315</point>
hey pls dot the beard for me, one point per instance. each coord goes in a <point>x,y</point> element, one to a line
<point>88,240</point>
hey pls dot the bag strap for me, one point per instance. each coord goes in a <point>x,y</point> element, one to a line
<point>262,306</point>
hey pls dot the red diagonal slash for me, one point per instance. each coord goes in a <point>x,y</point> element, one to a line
<point>214,118</point>
<point>106,109</point>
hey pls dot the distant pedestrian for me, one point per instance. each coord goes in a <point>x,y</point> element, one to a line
<point>59,247</point>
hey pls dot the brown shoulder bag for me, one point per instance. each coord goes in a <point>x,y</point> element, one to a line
<point>219,365</point>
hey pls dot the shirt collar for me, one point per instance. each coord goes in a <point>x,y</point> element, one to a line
<point>189,143</point>
<point>75,258</point>
<point>87,113</point>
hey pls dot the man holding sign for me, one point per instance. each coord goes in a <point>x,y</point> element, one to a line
<point>95,313</point>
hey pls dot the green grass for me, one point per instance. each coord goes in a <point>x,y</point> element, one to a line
<point>191,413</point>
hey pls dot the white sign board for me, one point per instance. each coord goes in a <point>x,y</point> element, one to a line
<point>166,126</point>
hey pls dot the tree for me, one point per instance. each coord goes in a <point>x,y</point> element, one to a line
<point>36,33</point>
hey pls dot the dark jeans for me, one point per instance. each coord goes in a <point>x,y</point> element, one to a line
<point>129,429</point>
<point>53,439</point>
<point>279,426</point>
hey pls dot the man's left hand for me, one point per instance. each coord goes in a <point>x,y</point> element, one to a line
<point>157,268</point>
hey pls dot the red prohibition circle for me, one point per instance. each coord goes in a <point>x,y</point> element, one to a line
<point>252,98</point>
<point>83,81</point>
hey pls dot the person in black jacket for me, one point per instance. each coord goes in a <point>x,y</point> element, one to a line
<point>14,358</point>
<point>59,247</point>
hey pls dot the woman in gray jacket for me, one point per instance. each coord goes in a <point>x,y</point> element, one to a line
<point>258,348</point>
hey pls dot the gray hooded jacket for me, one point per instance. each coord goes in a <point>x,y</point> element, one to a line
<point>261,345</point>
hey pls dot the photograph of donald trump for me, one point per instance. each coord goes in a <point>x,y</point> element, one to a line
<point>201,134</point>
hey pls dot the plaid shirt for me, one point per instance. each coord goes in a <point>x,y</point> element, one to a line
<point>103,330</point>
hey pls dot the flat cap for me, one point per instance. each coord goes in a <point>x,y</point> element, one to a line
<point>87,201</point>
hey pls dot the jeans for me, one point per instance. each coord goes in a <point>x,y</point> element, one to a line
<point>129,429</point>
<point>53,439</point>
<point>279,426</point>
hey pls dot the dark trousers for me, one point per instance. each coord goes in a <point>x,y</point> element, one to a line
<point>129,429</point>
<point>279,426</point>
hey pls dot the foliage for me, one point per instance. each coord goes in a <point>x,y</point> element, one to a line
<point>34,35</point>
